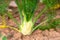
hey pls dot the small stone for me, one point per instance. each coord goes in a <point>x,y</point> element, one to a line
<point>13,4</point>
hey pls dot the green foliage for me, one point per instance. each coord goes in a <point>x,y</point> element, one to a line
<point>50,15</point>
<point>27,8</point>
<point>4,38</point>
<point>55,22</point>
<point>3,6</point>
<point>3,9</point>
<point>50,3</point>
<point>51,24</point>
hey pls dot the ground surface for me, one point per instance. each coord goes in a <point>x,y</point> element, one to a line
<point>36,35</point>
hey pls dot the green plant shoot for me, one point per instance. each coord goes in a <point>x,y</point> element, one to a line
<point>27,10</point>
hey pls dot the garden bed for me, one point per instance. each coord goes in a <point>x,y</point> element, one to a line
<point>51,34</point>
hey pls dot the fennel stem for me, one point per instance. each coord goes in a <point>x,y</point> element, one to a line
<point>39,15</point>
<point>20,11</point>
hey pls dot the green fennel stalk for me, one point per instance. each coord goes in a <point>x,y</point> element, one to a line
<point>27,10</point>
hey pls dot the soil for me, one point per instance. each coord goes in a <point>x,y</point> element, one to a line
<point>37,35</point>
<point>51,34</point>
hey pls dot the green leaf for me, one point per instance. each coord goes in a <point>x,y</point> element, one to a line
<point>3,6</point>
<point>19,5</point>
<point>50,3</point>
<point>4,38</point>
<point>50,15</point>
<point>55,22</point>
<point>28,7</point>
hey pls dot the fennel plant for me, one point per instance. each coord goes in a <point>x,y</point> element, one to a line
<point>27,10</point>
